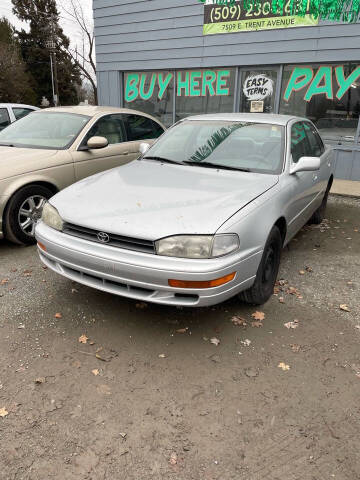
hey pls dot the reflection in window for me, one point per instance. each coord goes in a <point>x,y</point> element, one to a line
<point>329,95</point>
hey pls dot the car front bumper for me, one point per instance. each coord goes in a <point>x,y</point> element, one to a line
<point>144,276</point>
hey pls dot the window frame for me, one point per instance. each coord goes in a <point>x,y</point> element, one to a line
<point>82,145</point>
<point>127,130</point>
<point>29,110</point>
<point>301,122</point>
<point>313,131</point>
<point>8,116</point>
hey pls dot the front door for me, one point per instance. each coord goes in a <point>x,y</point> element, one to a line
<point>258,90</point>
<point>304,185</point>
<point>118,152</point>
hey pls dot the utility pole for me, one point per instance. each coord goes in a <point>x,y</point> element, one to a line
<point>51,44</point>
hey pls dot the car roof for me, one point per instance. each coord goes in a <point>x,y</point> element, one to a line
<point>97,111</point>
<point>93,110</point>
<point>21,105</point>
<point>247,117</point>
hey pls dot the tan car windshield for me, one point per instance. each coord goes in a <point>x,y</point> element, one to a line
<point>55,131</point>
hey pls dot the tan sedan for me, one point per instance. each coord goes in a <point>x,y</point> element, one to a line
<point>53,148</point>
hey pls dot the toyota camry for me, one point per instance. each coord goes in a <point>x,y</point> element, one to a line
<point>201,216</point>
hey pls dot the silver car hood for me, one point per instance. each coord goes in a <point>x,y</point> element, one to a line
<point>150,200</point>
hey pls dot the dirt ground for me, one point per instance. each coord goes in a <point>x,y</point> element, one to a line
<point>141,401</point>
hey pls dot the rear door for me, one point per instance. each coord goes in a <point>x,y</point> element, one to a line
<point>118,152</point>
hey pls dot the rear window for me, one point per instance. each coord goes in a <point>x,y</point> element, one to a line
<point>4,118</point>
<point>141,128</point>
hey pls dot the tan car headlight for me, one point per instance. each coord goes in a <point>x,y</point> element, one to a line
<point>197,246</point>
<point>50,216</point>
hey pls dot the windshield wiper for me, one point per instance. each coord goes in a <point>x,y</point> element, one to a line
<point>162,159</point>
<point>6,145</point>
<point>217,166</point>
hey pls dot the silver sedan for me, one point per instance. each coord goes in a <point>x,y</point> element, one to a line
<point>200,217</point>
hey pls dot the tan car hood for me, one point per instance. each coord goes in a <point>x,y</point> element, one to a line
<point>17,161</point>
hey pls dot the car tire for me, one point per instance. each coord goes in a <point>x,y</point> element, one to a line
<point>263,287</point>
<point>319,214</point>
<point>22,213</point>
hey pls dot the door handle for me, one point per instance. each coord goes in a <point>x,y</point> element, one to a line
<point>125,153</point>
<point>315,177</point>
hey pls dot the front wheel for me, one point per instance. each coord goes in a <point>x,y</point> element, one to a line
<point>266,275</point>
<point>23,212</point>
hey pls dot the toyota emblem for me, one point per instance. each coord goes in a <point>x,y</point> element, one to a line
<point>103,237</point>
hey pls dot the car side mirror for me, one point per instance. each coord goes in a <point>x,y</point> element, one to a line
<point>95,143</point>
<point>143,148</point>
<point>306,164</point>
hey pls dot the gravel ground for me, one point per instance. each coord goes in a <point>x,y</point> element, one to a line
<point>148,396</point>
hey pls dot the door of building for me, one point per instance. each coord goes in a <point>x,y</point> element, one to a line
<point>259,89</point>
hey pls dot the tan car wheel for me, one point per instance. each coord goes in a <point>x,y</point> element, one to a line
<point>23,212</point>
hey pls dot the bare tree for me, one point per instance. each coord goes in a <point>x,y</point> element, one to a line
<point>84,59</point>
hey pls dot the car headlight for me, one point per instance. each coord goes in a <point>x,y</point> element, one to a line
<point>197,246</point>
<point>50,216</point>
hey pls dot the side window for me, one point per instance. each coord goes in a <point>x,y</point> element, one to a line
<point>111,127</point>
<point>141,128</point>
<point>299,142</point>
<point>315,142</point>
<point>4,118</point>
<point>21,112</point>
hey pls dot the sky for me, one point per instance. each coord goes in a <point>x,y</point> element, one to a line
<point>68,24</point>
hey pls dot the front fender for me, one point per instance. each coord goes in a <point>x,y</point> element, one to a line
<point>254,222</point>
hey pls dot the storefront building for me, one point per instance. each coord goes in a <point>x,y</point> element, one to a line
<point>175,58</point>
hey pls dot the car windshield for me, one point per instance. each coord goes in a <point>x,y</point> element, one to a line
<point>249,146</point>
<point>50,130</point>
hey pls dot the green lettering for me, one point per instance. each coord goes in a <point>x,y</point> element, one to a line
<point>131,88</point>
<point>183,84</point>
<point>324,73</point>
<point>143,94</point>
<point>209,78</point>
<point>194,84</point>
<point>163,84</point>
<point>222,82</point>
<point>345,83</point>
<point>299,78</point>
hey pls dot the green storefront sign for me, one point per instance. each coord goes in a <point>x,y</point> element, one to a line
<point>328,80</point>
<point>194,83</point>
<point>236,17</point>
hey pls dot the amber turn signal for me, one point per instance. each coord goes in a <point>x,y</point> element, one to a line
<point>202,284</point>
<point>42,246</point>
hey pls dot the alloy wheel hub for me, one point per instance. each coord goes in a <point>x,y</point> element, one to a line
<point>30,213</point>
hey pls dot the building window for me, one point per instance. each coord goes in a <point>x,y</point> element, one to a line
<point>150,92</point>
<point>258,91</point>
<point>204,91</point>
<point>329,95</point>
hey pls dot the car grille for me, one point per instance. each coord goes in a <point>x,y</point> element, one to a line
<point>128,243</point>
